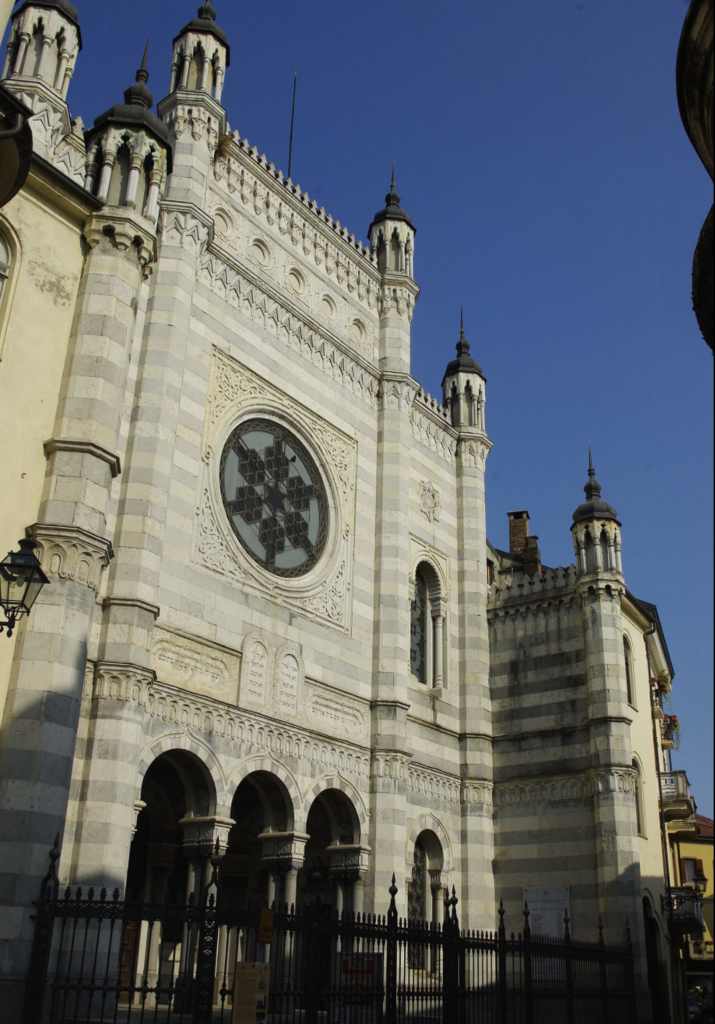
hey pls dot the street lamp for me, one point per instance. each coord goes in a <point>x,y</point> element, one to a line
<point>21,580</point>
<point>701,883</point>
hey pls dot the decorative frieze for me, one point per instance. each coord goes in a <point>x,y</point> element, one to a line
<point>391,764</point>
<point>260,735</point>
<point>477,792</point>
<point>70,553</point>
<point>290,324</point>
<point>428,431</point>
<point>425,782</point>
<point>186,226</point>
<point>120,681</point>
<point>566,788</point>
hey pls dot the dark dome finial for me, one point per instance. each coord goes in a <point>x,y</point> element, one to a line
<point>592,488</point>
<point>392,210</point>
<point>392,198</point>
<point>593,507</point>
<point>207,11</point>
<point>138,94</point>
<point>464,361</point>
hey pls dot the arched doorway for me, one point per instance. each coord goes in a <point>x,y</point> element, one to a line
<point>262,846</point>
<point>175,833</point>
<point>335,861</point>
<point>425,891</point>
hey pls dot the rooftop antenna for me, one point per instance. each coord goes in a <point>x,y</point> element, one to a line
<point>292,118</point>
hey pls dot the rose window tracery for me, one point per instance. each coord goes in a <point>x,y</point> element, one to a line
<point>274,497</point>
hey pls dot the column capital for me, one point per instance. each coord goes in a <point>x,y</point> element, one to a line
<point>348,861</point>
<point>200,835</point>
<point>71,553</point>
<point>283,851</point>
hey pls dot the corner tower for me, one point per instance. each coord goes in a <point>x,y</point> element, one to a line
<point>42,50</point>
<point>600,587</point>
<point>391,237</point>
<point>464,395</point>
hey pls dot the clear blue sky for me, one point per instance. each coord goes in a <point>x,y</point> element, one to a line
<point>556,196</point>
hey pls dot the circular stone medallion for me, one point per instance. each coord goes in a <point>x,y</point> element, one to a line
<point>274,497</point>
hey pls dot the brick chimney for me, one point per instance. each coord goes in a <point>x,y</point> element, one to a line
<point>518,531</point>
<point>532,557</point>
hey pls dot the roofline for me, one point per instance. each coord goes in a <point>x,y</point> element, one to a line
<point>650,612</point>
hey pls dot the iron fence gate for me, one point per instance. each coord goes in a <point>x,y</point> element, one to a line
<point>100,959</point>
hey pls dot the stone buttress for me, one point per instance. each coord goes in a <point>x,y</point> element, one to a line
<point>392,237</point>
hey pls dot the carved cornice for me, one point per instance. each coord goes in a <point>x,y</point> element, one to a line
<point>477,791</point>
<point>397,391</point>
<point>69,444</point>
<point>472,451</point>
<point>271,309</point>
<point>249,177</point>
<point>425,782</point>
<point>70,553</point>
<point>127,230</point>
<point>431,431</point>
<point>204,715</point>
<point>592,783</point>
<point>400,294</point>
<point>390,764</point>
<point>131,602</point>
<point>186,225</point>
<point>115,680</point>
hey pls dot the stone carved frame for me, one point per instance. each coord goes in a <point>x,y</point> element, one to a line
<point>323,593</point>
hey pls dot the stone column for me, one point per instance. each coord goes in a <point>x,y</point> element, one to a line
<point>21,51</point>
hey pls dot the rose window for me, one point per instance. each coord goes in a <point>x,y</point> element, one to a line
<point>274,497</point>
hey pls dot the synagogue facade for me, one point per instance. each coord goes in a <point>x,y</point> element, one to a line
<point>274,619</point>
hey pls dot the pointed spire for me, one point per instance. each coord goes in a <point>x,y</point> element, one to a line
<point>392,198</point>
<point>592,488</point>
<point>464,362</point>
<point>142,73</point>
<point>138,94</point>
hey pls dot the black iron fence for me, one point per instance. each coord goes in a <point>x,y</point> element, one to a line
<point>100,959</point>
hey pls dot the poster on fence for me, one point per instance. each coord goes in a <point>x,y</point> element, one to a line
<point>250,993</point>
<point>357,977</point>
<point>547,905</point>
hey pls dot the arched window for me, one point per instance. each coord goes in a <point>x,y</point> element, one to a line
<point>640,817</point>
<point>427,617</point>
<point>628,659</point>
<point>418,629</point>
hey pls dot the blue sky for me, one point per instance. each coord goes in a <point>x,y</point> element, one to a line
<point>540,153</point>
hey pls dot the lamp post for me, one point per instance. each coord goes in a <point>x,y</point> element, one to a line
<point>21,580</point>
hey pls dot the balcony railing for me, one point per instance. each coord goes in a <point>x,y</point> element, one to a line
<point>669,731</point>
<point>656,698</point>
<point>675,788</point>
<point>684,910</point>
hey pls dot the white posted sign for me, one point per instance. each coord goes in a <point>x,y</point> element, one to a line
<point>547,905</point>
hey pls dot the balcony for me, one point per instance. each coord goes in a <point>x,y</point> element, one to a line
<point>656,699</point>
<point>699,949</point>
<point>684,911</point>
<point>669,728</point>
<point>675,798</point>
